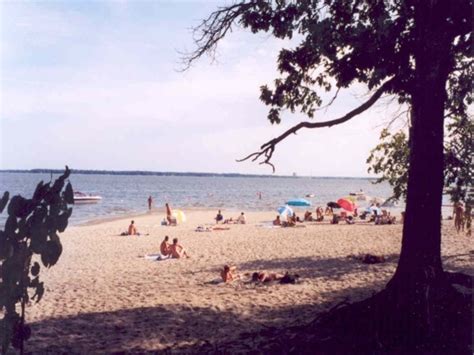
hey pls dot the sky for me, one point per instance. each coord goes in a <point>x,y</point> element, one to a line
<point>98,85</point>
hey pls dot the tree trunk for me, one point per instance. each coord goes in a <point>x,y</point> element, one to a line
<point>421,244</point>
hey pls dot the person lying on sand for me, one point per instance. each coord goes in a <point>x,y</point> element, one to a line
<point>269,277</point>
<point>228,275</point>
<point>177,251</point>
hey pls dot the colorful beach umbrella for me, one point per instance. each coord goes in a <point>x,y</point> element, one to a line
<point>285,211</point>
<point>299,202</point>
<point>179,215</point>
<point>346,204</point>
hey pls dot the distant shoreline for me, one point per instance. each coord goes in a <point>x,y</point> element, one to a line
<point>170,173</point>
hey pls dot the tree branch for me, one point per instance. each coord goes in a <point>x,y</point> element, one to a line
<point>267,149</point>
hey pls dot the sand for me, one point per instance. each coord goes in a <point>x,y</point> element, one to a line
<point>104,296</point>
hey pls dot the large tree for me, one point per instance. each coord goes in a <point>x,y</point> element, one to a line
<point>419,51</point>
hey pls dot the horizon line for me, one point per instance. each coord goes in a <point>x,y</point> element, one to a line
<point>173,173</point>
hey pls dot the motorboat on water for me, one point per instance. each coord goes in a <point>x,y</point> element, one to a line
<point>360,196</point>
<point>80,197</point>
<point>309,195</point>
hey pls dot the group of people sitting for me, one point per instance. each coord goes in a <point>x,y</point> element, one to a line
<point>228,275</point>
<point>173,251</point>
<point>374,214</point>
<point>241,219</point>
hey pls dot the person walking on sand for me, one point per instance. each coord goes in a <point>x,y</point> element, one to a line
<point>165,247</point>
<point>177,251</point>
<point>150,202</point>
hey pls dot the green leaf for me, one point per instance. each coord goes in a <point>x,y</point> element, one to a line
<point>4,200</point>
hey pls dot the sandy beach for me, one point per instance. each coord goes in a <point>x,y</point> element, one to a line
<point>104,296</point>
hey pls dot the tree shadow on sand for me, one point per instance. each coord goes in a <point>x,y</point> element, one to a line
<point>182,328</point>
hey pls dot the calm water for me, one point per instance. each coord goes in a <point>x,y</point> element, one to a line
<point>126,194</point>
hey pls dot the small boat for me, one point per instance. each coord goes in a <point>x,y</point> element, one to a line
<point>360,196</point>
<point>80,197</point>
<point>309,195</point>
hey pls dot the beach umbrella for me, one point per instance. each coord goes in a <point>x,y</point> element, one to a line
<point>351,198</point>
<point>179,215</point>
<point>346,204</point>
<point>285,211</point>
<point>333,205</point>
<point>299,202</point>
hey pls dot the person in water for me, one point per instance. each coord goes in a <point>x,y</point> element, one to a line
<point>177,251</point>
<point>150,202</point>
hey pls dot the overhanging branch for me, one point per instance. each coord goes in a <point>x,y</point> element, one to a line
<point>267,149</point>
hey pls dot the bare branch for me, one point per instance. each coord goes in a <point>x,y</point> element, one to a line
<point>211,30</point>
<point>267,149</point>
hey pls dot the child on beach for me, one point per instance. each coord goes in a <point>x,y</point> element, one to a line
<point>227,273</point>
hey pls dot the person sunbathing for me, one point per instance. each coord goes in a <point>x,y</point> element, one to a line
<point>132,230</point>
<point>165,247</point>
<point>241,219</point>
<point>266,277</point>
<point>177,251</point>
<point>277,221</point>
<point>308,216</point>
<point>319,214</point>
<point>227,273</point>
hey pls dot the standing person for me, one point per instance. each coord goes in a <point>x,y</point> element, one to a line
<point>219,217</point>
<point>169,216</point>
<point>150,202</point>
<point>468,218</point>
<point>458,212</point>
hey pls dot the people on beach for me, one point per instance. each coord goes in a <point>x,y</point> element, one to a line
<point>277,221</point>
<point>308,216</point>
<point>165,247</point>
<point>241,219</point>
<point>319,214</point>
<point>458,212</point>
<point>264,277</point>
<point>227,273</point>
<point>150,202</point>
<point>328,211</point>
<point>177,251</point>
<point>132,229</point>
<point>169,216</point>
<point>219,217</point>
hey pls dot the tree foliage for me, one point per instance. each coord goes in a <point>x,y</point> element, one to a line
<point>343,43</point>
<point>390,160</point>
<point>31,229</point>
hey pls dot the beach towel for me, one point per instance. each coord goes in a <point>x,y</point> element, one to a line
<point>157,257</point>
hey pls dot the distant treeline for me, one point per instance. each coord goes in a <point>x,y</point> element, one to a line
<point>136,172</point>
<point>162,173</point>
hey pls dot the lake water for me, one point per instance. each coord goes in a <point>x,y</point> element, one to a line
<point>127,194</point>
